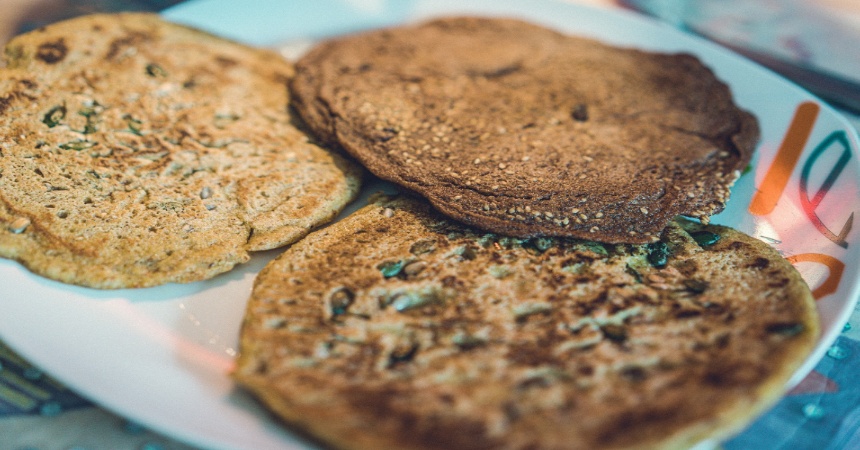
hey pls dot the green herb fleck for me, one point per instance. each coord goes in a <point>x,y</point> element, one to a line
<point>705,238</point>
<point>133,124</point>
<point>402,353</point>
<point>541,244</point>
<point>91,113</point>
<point>410,300</point>
<point>614,332</point>
<point>633,272</point>
<point>78,145</point>
<point>391,268</point>
<point>595,247</point>
<point>154,70</point>
<point>467,342</point>
<point>786,329</point>
<point>54,116</point>
<point>658,254</point>
<point>340,300</point>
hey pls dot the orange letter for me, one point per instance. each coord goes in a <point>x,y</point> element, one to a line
<point>777,175</point>
<point>834,265</point>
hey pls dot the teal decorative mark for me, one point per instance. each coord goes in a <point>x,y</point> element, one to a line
<point>837,138</point>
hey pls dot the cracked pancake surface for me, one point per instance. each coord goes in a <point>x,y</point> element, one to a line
<point>136,152</point>
<point>398,328</point>
<point>520,130</point>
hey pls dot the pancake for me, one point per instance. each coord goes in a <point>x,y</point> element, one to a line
<point>135,152</point>
<point>397,328</point>
<point>520,130</point>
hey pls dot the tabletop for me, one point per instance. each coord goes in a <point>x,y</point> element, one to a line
<point>821,412</point>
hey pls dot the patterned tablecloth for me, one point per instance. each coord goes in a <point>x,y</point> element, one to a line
<point>822,412</point>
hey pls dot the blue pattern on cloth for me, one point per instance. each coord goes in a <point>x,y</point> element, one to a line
<point>827,419</point>
<point>24,389</point>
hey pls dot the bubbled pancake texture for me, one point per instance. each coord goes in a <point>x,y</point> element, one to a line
<point>396,328</point>
<point>520,130</point>
<point>135,152</point>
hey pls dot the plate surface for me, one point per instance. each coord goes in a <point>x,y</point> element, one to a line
<point>161,356</point>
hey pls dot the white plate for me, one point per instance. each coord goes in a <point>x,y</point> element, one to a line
<point>161,356</point>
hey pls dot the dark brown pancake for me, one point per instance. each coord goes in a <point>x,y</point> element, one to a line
<point>520,130</point>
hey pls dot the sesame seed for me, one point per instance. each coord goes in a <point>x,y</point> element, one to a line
<point>588,158</point>
<point>599,215</point>
<point>526,158</point>
<point>502,165</point>
<point>477,161</point>
<point>388,212</point>
<point>574,210</point>
<point>643,210</point>
<point>594,229</point>
<point>528,208</point>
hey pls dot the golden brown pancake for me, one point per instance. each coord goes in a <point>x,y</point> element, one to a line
<point>136,152</point>
<point>396,328</point>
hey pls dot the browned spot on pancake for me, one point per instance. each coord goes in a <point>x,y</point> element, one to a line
<point>52,52</point>
<point>225,61</point>
<point>120,45</point>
